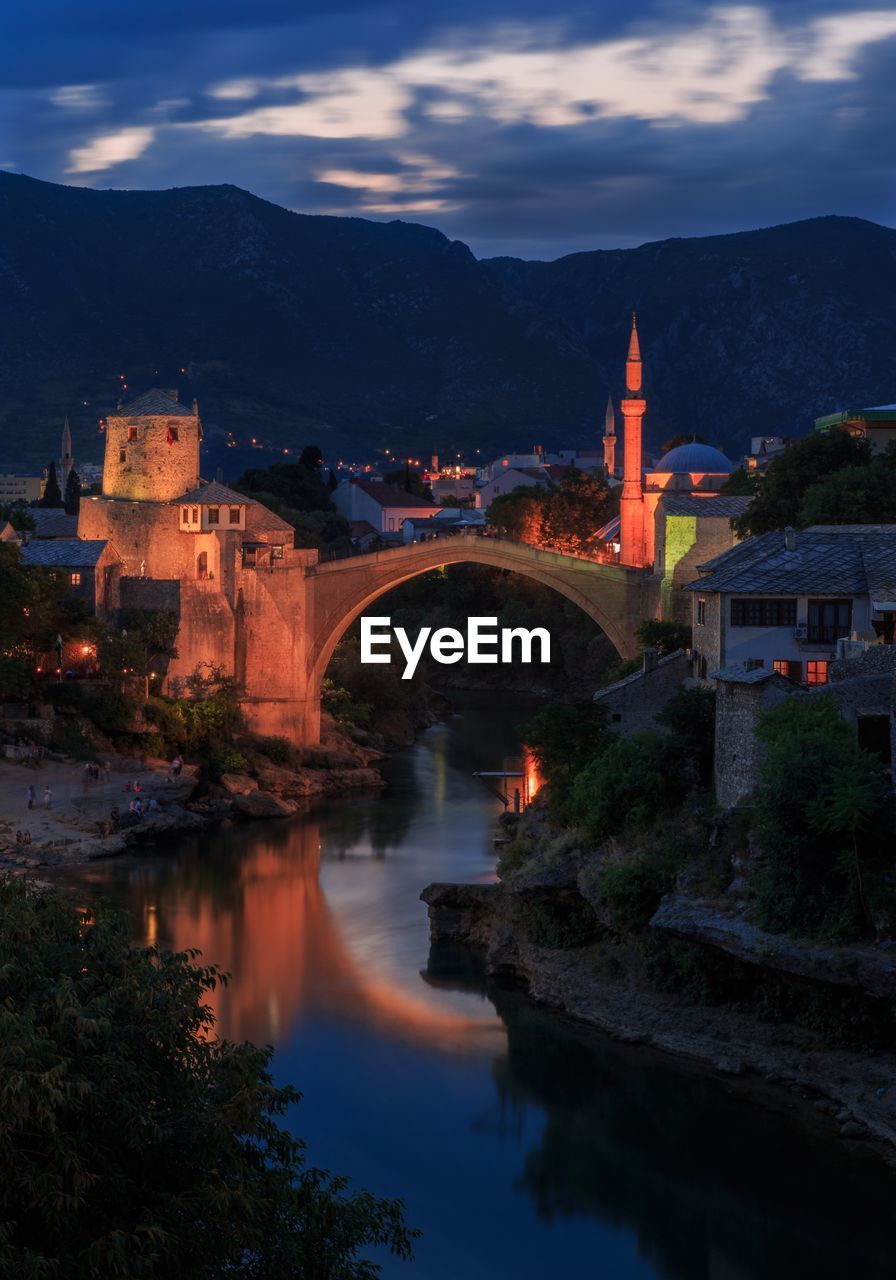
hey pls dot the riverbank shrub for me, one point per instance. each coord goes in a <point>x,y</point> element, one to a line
<point>133,1141</point>
<point>557,922</point>
<point>825,824</point>
<point>564,737</point>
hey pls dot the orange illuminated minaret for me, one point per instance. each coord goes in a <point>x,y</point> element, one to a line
<point>610,438</point>
<point>631,506</point>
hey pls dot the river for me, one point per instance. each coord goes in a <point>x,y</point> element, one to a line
<point>523,1147</point>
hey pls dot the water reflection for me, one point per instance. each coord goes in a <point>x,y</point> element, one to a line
<point>521,1146</point>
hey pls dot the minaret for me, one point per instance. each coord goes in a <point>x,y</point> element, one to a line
<point>67,460</point>
<point>610,439</point>
<point>631,507</point>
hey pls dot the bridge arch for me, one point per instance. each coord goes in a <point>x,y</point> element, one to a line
<point>613,596</point>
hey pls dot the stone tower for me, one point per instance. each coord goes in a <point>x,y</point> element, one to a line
<point>631,506</point>
<point>67,459</point>
<point>152,448</point>
<point>610,438</point>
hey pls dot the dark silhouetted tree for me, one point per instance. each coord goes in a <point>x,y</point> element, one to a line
<point>311,457</point>
<point>72,502</point>
<point>52,493</point>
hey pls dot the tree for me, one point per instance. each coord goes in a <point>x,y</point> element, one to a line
<point>133,1141</point>
<point>36,609</point>
<point>52,494</point>
<point>332,482</point>
<point>629,784</point>
<point>562,517</point>
<point>855,495</point>
<point>18,516</point>
<point>409,479</point>
<point>741,484</point>
<point>140,648</point>
<point>825,826</point>
<point>779,496</point>
<point>311,457</point>
<point>689,717</point>
<point>519,513</point>
<point>663,635</point>
<point>564,738</point>
<point>683,437</point>
<point>291,483</point>
<point>72,501</point>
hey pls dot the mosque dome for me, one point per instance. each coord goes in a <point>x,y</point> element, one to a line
<point>690,458</point>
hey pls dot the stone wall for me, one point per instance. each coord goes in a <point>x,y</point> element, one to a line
<point>635,702</point>
<point>140,463</point>
<point>738,750</point>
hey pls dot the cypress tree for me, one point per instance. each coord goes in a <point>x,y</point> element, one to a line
<point>72,501</point>
<point>52,493</point>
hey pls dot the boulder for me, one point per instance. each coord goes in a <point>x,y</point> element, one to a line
<point>262,804</point>
<point>237,784</point>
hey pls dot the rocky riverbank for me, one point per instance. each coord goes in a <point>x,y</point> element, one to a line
<point>607,984</point>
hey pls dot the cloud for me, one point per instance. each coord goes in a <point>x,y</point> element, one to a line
<point>110,149</point>
<point>78,97</point>
<point>412,189</point>
<point>710,73</point>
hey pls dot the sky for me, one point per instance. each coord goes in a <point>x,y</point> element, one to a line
<point>528,128</point>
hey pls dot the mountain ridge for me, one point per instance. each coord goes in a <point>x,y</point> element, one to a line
<point>366,335</point>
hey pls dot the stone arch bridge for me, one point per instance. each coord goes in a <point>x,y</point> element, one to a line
<point>288,619</point>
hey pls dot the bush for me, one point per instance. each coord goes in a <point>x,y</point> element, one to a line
<point>558,922</point>
<point>629,785</point>
<point>278,750</point>
<point>69,738</point>
<point>564,737</point>
<point>825,826</point>
<point>221,760</point>
<point>133,1142</point>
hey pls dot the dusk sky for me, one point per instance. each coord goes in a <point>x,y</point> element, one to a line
<point>527,128</point>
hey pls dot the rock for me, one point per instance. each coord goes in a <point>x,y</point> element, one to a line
<point>324,757</point>
<point>237,784</point>
<point>262,804</point>
<point>852,1129</point>
<point>460,912</point>
<point>729,1066</point>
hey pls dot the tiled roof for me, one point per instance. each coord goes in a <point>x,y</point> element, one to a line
<point>215,492</point>
<point>387,495</point>
<point>639,675</point>
<point>260,520</point>
<point>687,504</point>
<point>53,522</point>
<point>739,673</point>
<point>154,403</point>
<point>63,553</point>
<point>826,560</point>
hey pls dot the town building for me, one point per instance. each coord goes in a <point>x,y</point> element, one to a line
<point>513,478</point>
<point>763,450</point>
<point>634,702</point>
<point>90,568</point>
<point>382,505</point>
<point>21,490</point>
<point>446,521</point>
<point>52,522</point>
<point>783,600</point>
<point>877,425</point>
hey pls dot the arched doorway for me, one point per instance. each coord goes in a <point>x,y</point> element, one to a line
<point>202,565</point>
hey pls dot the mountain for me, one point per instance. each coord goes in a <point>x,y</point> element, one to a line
<point>363,335</point>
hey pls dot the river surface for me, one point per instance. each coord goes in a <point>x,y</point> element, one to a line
<point>522,1147</point>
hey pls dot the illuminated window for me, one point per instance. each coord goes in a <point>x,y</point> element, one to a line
<point>829,620</point>
<point>277,552</point>
<point>132,433</point>
<point>701,613</point>
<point>213,515</point>
<point>756,612</point>
<point>792,670</point>
<point>76,579</point>
<point>234,515</point>
<point>816,673</point>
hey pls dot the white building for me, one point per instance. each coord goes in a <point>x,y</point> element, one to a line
<point>381,505</point>
<point>783,600</point>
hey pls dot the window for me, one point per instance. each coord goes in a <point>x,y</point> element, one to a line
<point>132,433</point>
<point>195,515</point>
<point>173,433</point>
<point>829,620</point>
<point>756,612</point>
<point>816,673</point>
<point>792,670</point>
<point>234,515</point>
<point>122,455</point>
<point>185,515</point>
<point>701,613</point>
<point>277,552</point>
<point>76,579</point>
<point>213,515</point>
<point>392,523</point>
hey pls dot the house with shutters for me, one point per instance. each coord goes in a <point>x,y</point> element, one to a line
<point>783,600</point>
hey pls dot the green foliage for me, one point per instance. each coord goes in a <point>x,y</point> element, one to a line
<point>293,484</point>
<point>789,477</point>
<point>204,710</point>
<point>111,710</point>
<point>825,822</point>
<point>133,1142</point>
<point>630,784</point>
<point>632,892</point>
<point>68,737</point>
<point>854,495</point>
<point>18,516</point>
<point>218,760</point>
<point>690,718</point>
<point>72,500</point>
<point>741,484</point>
<point>15,676</point>
<point>36,608</point>
<point>52,493</point>
<point>564,737</point>
<point>279,751</point>
<point>662,635</point>
<point>558,922</point>
<point>561,516</point>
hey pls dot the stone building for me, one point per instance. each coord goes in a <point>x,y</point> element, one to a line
<point>90,568</point>
<point>784,600</point>
<point>742,694</point>
<point>635,701</point>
